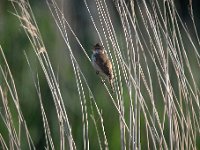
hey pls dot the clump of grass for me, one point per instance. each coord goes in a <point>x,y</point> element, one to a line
<point>156,87</point>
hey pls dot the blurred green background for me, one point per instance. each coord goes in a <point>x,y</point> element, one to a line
<point>14,43</point>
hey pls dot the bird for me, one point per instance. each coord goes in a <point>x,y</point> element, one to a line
<point>102,64</point>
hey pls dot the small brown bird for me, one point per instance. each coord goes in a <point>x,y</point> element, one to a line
<point>102,64</point>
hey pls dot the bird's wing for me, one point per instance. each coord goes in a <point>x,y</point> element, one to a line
<point>104,63</point>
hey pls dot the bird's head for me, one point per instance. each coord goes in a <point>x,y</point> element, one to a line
<point>98,48</point>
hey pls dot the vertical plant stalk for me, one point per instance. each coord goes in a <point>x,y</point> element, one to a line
<point>28,22</point>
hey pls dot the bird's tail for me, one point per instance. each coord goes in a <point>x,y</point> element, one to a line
<point>111,84</point>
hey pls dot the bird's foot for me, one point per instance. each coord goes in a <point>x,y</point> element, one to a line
<point>102,81</point>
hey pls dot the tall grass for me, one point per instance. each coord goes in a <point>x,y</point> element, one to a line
<point>155,61</point>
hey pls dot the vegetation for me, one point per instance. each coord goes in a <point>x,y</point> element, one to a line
<point>51,98</point>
